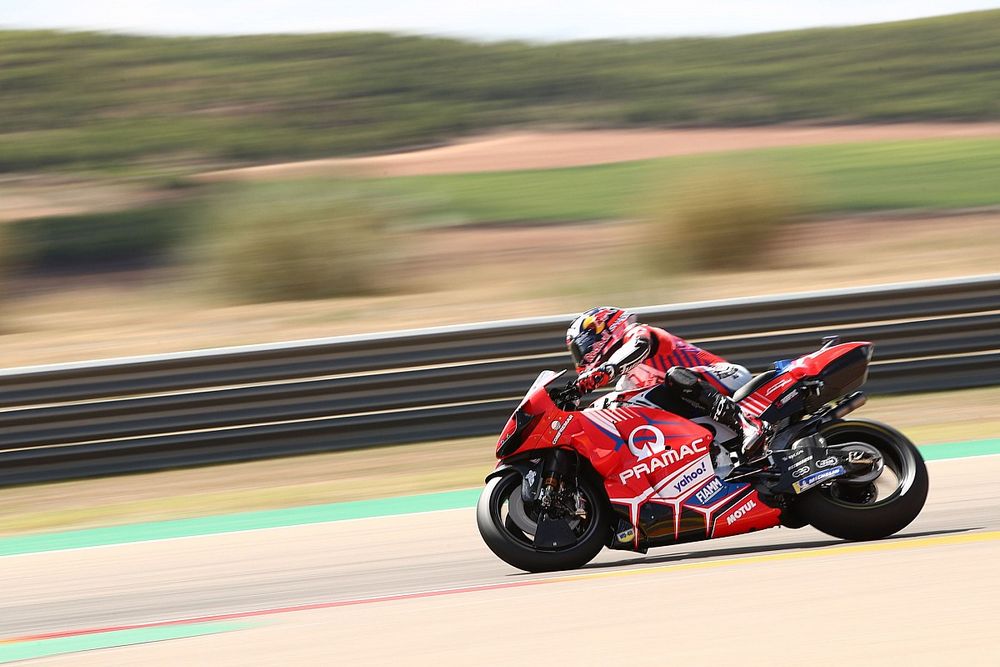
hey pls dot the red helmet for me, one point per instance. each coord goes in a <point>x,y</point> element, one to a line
<point>593,336</point>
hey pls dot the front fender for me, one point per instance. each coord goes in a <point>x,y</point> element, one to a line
<point>531,475</point>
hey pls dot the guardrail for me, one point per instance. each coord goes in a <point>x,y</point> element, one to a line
<point>125,415</point>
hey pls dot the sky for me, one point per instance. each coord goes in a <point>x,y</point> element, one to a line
<point>550,20</point>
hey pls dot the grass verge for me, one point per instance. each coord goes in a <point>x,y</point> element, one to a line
<point>875,176</point>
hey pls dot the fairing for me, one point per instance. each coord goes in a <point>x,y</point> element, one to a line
<point>834,371</point>
<point>656,466</point>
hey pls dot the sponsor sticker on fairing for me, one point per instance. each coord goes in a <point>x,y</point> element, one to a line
<point>688,479</point>
<point>664,459</point>
<point>784,383</point>
<point>646,440</point>
<point>709,491</point>
<point>740,512</point>
<point>798,472</point>
<point>626,535</point>
<point>555,424</point>
<point>827,462</point>
<point>783,401</point>
<point>816,478</point>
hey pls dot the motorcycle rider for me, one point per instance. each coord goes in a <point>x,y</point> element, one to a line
<point>607,344</point>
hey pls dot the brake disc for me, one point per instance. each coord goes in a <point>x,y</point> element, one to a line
<point>866,450</point>
<point>518,514</point>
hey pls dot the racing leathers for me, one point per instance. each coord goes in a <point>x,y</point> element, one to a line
<point>656,367</point>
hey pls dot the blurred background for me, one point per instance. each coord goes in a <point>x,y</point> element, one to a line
<point>165,190</point>
<point>183,177</point>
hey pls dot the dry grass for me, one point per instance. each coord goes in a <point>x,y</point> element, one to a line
<point>480,274</point>
<point>719,219</point>
<point>41,196</point>
<point>297,241</point>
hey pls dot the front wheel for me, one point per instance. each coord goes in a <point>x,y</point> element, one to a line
<point>510,526</point>
<point>871,506</point>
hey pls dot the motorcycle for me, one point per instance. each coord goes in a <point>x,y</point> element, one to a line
<point>570,482</point>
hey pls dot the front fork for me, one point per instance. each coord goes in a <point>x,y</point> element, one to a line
<point>551,482</point>
<point>557,467</point>
<point>544,478</point>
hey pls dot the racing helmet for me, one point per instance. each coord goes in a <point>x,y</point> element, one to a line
<point>594,335</point>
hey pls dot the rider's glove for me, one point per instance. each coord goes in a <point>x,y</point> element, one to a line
<point>595,378</point>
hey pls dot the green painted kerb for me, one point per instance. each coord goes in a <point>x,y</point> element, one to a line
<point>960,450</point>
<point>361,509</point>
<point>229,523</point>
<point>48,647</point>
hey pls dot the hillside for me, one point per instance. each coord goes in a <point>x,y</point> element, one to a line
<point>85,99</point>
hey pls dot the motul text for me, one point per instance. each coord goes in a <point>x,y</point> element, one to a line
<point>738,514</point>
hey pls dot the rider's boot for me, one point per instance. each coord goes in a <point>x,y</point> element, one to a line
<point>754,433</point>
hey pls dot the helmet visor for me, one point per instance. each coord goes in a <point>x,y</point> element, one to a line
<point>581,346</point>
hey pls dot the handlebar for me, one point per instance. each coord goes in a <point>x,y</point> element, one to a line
<point>568,397</point>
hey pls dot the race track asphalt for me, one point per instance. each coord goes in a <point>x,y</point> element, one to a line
<point>929,595</point>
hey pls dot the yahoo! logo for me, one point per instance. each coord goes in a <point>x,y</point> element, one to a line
<point>695,475</point>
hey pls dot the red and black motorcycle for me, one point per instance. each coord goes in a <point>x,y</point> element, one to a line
<point>631,477</point>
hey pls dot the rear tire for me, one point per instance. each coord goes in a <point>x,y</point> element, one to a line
<point>848,511</point>
<point>515,547</point>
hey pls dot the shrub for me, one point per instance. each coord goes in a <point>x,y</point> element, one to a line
<point>721,217</point>
<point>97,241</point>
<point>299,240</point>
<point>6,252</point>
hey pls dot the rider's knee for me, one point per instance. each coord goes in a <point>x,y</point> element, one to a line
<point>683,377</point>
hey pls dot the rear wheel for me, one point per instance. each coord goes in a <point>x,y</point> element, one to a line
<point>569,538</point>
<point>871,505</point>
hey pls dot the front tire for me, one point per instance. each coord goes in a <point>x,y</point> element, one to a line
<point>868,510</point>
<point>515,546</point>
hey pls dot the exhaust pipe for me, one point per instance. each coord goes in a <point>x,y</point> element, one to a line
<point>849,405</point>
